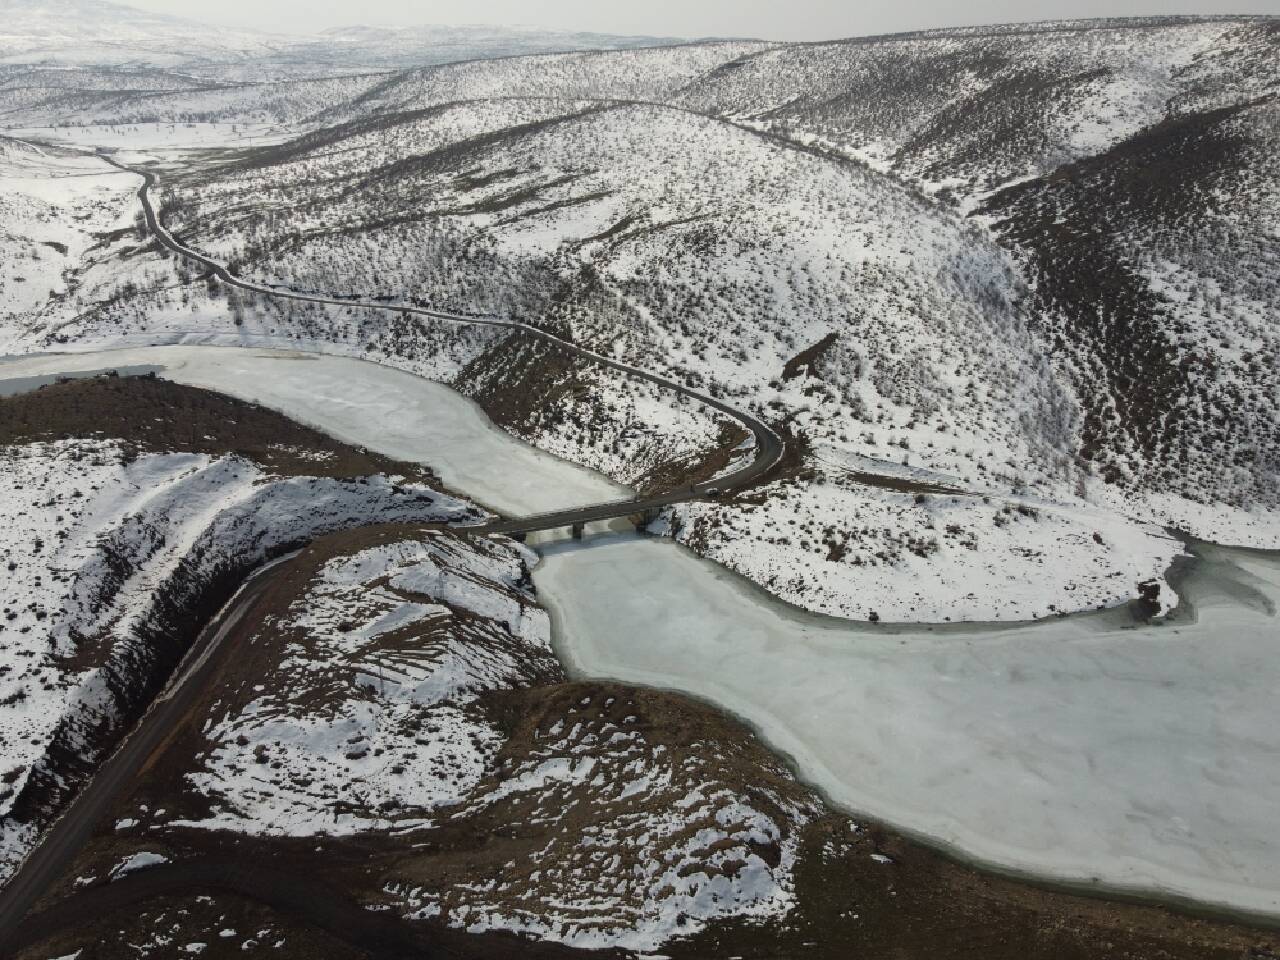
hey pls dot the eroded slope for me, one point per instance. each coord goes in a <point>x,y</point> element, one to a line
<point>133,507</point>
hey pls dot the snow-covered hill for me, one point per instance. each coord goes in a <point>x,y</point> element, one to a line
<point>1156,267</point>
<point>940,261</point>
<point>90,62</point>
<point>42,99</point>
<point>1137,165</point>
<point>652,233</point>
<point>962,112</point>
<point>290,93</point>
<point>721,256</point>
<point>383,717</point>
<point>651,75</point>
<point>120,535</point>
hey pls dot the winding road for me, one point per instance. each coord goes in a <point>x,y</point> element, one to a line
<point>769,446</point>
<point>73,828</point>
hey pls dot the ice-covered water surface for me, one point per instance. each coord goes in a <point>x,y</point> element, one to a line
<point>1083,749</point>
<point>1078,748</point>
<point>388,411</point>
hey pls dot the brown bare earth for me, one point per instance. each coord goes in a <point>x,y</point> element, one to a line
<point>520,384</point>
<point>154,415</point>
<point>696,469</point>
<point>806,361</point>
<point>922,906</point>
<point>523,385</point>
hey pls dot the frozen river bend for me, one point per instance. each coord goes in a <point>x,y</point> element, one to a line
<point>1083,749</point>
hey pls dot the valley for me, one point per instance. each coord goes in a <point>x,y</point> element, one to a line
<point>156,824</point>
<point>716,498</point>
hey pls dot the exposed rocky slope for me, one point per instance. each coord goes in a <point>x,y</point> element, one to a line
<point>133,507</point>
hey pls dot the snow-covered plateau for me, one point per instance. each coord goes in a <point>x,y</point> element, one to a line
<point>278,768</point>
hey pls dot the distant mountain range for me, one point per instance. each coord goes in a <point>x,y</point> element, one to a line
<point>96,32</point>
<point>394,47</point>
<point>101,33</point>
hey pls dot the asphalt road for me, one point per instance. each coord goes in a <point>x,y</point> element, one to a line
<point>72,830</point>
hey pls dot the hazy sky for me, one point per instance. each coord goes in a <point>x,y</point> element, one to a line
<point>784,20</point>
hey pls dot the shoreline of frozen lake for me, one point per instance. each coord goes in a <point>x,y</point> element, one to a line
<point>1082,750</point>
<point>389,411</point>
<point>12,387</point>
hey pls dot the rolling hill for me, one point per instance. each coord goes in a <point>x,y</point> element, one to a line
<point>1009,290</point>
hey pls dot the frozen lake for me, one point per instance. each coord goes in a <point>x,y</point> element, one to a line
<point>1081,749</point>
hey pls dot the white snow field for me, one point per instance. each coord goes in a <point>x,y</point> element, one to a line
<point>1081,748</point>
<point>54,209</point>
